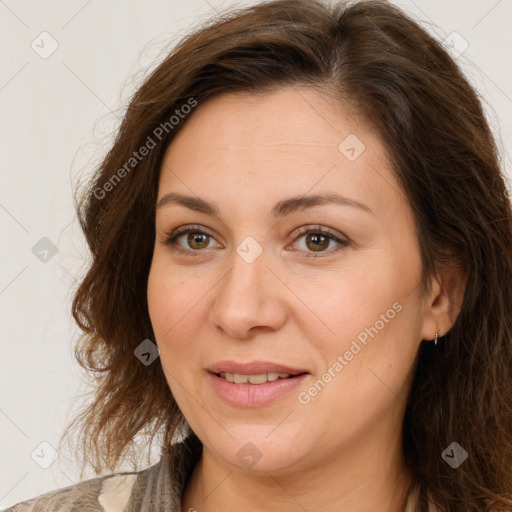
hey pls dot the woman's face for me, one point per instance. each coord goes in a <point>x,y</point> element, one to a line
<point>275,277</point>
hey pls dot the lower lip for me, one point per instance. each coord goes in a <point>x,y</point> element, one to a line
<point>254,395</point>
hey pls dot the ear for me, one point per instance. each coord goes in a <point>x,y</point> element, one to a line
<point>443,304</point>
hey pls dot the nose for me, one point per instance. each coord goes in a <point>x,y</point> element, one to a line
<point>248,299</point>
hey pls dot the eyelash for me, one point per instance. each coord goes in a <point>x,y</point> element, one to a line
<point>171,237</point>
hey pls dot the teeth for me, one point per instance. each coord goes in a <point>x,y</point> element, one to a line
<point>240,379</point>
<point>260,378</point>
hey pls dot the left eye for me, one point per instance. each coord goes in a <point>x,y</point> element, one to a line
<point>317,240</point>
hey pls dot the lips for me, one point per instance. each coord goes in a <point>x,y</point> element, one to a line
<point>254,368</point>
<point>253,384</point>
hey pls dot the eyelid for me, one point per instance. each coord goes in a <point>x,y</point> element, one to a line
<point>340,239</point>
<point>319,228</point>
<point>169,237</point>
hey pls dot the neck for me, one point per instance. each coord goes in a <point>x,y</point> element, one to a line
<point>367,476</point>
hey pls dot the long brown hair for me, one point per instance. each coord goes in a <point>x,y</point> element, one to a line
<point>373,57</point>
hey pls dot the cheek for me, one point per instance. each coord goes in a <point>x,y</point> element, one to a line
<point>370,317</point>
<point>350,299</point>
<point>162,304</point>
<point>176,303</point>
<point>170,296</point>
<point>365,367</point>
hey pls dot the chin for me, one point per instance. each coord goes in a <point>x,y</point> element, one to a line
<point>258,449</point>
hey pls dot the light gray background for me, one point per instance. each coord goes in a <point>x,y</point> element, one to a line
<point>57,115</point>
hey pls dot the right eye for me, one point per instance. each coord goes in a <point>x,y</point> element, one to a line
<point>197,240</point>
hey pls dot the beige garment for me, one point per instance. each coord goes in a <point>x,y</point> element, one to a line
<point>156,489</point>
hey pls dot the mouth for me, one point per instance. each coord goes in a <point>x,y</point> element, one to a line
<point>254,372</point>
<point>254,384</point>
<point>258,378</point>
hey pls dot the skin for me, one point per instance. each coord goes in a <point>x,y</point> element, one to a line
<point>342,450</point>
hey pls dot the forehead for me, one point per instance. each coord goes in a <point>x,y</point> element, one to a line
<point>275,120</point>
<point>278,143</point>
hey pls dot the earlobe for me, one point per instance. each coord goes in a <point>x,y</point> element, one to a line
<point>444,303</point>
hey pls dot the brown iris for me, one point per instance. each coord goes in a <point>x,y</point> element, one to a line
<point>315,239</point>
<point>192,238</point>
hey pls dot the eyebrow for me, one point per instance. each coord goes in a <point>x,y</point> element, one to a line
<point>280,209</point>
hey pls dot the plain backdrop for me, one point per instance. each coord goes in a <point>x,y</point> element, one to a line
<point>67,69</point>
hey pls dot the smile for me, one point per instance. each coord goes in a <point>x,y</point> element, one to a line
<point>259,378</point>
<point>255,390</point>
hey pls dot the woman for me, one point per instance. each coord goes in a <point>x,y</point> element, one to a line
<point>301,276</point>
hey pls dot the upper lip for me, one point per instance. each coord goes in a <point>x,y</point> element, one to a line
<point>253,368</point>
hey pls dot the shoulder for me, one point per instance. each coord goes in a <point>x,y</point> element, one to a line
<point>160,485</point>
<point>103,494</point>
